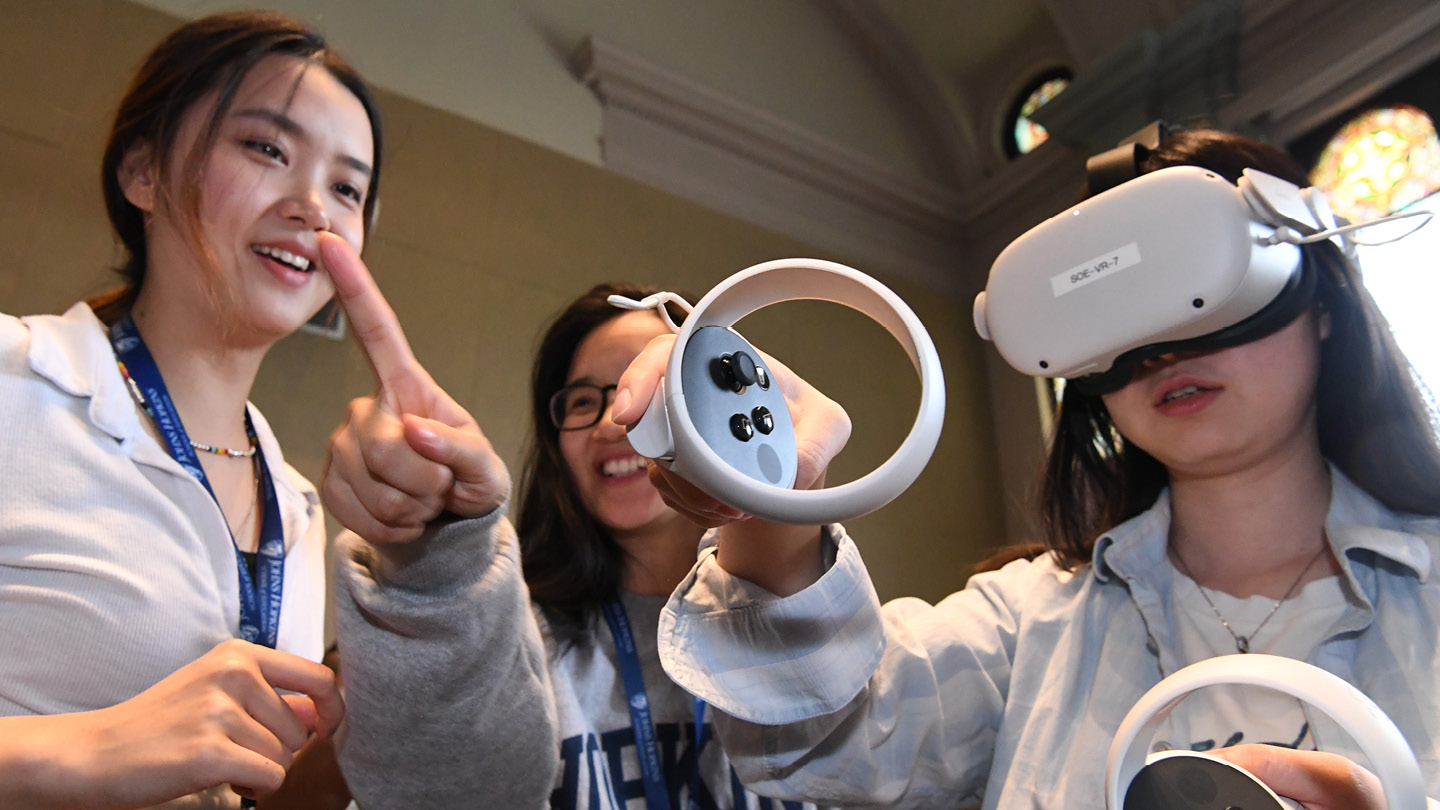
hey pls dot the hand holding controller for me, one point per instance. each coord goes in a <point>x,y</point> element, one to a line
<point>1186,780</point>
<point>717,419</point>
<point>738,410</point>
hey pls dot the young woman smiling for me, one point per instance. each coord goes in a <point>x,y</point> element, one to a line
<point>161,567</point>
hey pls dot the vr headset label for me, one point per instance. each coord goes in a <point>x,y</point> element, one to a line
<point>1102,266</point>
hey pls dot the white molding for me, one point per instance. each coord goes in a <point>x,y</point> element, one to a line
<point>704,146</point>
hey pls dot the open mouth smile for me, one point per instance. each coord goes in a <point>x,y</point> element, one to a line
<point>285,257</point>
<point>621,467</point>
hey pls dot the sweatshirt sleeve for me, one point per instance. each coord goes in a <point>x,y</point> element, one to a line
<point>449,703</point>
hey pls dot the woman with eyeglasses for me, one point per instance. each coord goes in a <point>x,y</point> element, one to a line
<point>601,554</point>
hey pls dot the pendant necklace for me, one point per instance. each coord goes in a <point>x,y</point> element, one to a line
<point>1242,643</point>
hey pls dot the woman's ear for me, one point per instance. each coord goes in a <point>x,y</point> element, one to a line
<point>137,176</point>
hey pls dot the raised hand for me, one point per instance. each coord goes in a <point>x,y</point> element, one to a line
<point>781,559</point>
<point>409,453</point>
<point>215,721</point>
<point>821,429</point>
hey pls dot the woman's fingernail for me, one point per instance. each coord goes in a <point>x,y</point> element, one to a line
<point>621,404</point>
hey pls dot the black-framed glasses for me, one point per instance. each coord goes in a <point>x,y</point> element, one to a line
<point>578,406</point>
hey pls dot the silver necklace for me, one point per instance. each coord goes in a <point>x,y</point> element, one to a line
<point>254,496</point>
<point>1242,643</point>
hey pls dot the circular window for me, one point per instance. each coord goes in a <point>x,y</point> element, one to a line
<point>1379,162</point>
<point>1023,134</point>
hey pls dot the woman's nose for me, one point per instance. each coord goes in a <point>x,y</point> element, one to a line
<point>1158,361</point>
<point>305,207</point>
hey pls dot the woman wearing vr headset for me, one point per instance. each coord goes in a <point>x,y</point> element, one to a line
<point>1278,495</point>
<point>420,612</point>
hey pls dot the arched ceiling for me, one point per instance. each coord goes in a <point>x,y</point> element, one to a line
<point>871,126</point>
<point>916,84</point>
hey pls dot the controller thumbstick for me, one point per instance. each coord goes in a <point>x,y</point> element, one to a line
<point>723,375</point>
<point>737,372</point>
<point>742,366</point>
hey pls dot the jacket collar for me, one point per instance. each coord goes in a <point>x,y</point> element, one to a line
<point>73,352</point>
<point>1357,525</point>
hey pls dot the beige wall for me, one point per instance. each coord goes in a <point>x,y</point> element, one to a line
<point>481,238</point>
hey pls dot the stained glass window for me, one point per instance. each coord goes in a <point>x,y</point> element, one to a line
<point>1379,162</point>
<point>1384,162</point>
<point>1026,134</point>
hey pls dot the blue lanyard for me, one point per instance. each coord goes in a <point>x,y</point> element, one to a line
<point>260,598</point>
<point>657,797</point>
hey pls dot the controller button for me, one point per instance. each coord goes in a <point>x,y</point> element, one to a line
<point>762,378</point>
<point>764,420</point>
<point>743,367</point>
<point>740,426</point>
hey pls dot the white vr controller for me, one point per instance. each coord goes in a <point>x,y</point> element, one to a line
<point>1187,780</point>
<point>718,420</point>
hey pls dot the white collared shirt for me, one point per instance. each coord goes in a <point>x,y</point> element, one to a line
<point>116,566</point>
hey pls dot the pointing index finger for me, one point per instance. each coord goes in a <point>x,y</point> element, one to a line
<point>371,318</point>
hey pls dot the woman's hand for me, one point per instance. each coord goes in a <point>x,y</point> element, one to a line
<point>821,429</point>
<point>782,559</point>
<point>215,721</point>
<point>1317,779</point>
<point>409,453</point>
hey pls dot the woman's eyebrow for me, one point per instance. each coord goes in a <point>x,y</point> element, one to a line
<point>291,127</point>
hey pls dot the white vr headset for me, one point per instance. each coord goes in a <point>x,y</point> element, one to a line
<point>1178,259</point>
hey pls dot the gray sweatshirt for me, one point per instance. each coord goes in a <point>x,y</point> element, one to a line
<point>460,697</point>
<point>448,698</point>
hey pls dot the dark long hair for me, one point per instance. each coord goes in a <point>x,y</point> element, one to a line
<point>571,562</point>
<point>1373,419</point>
<point>208,54</point>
